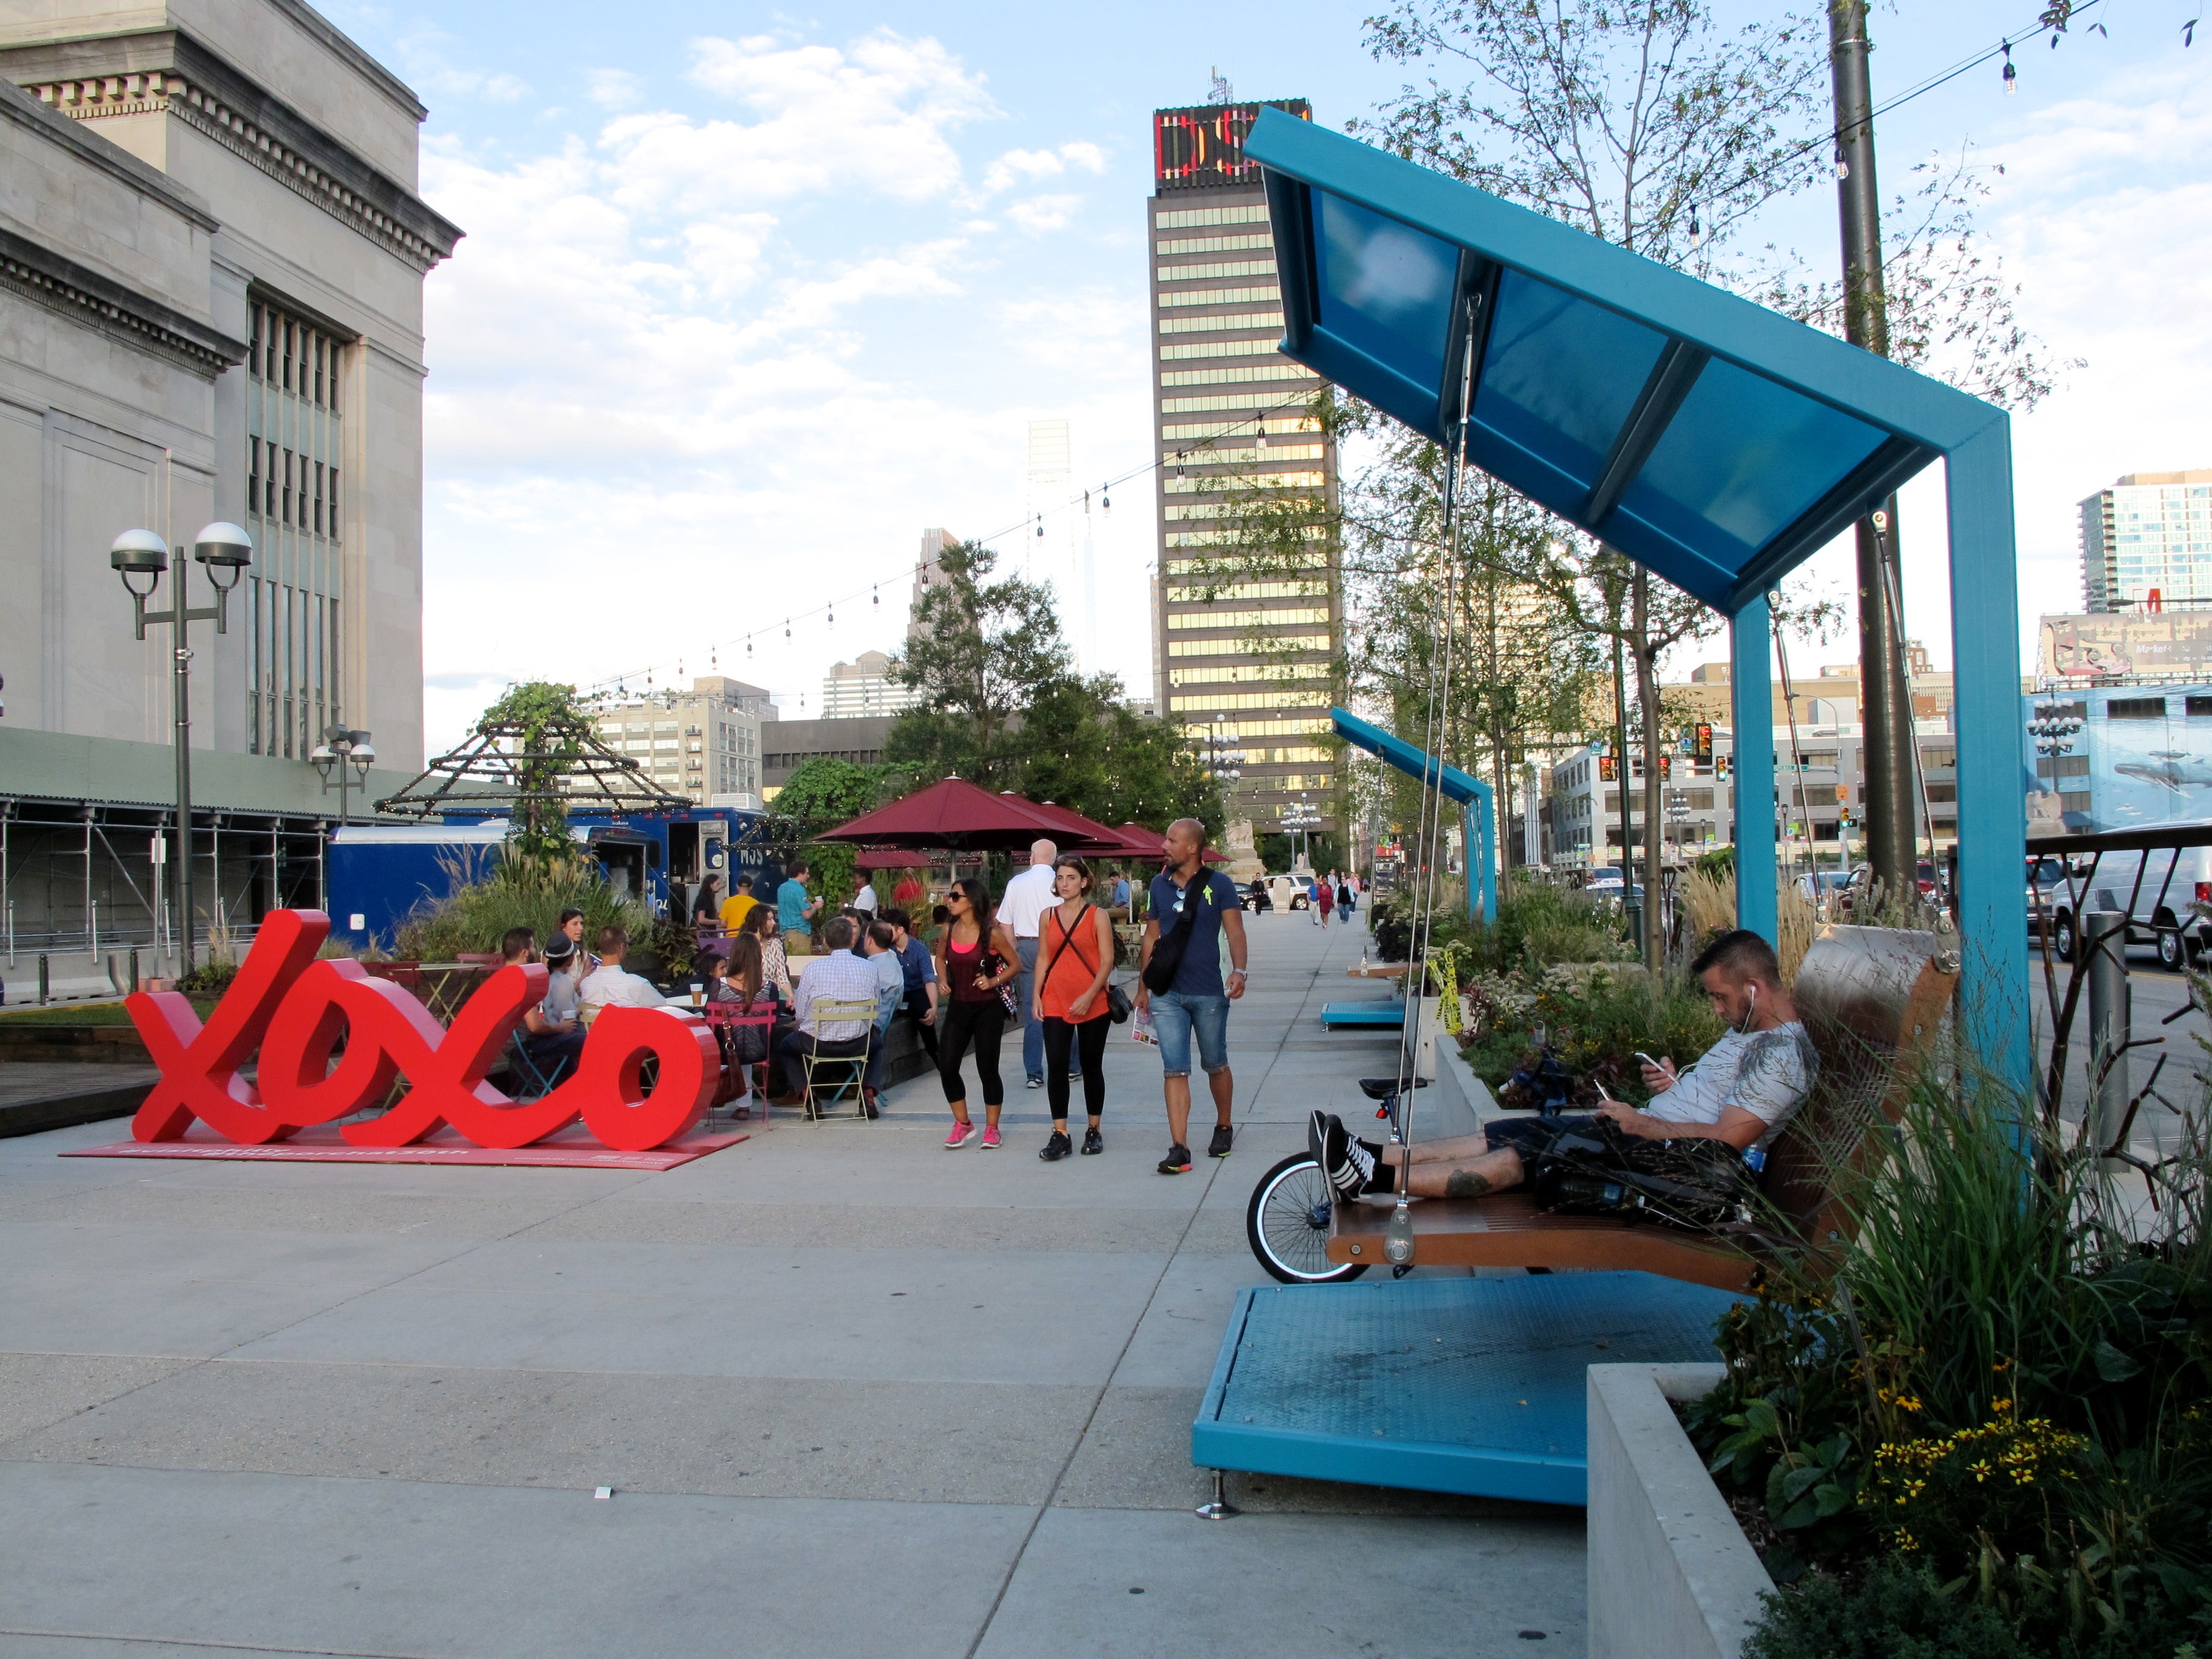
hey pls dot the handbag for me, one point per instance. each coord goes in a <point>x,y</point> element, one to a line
<point>988,965</point>
<point>1167,950</point>
<point>1117,1000</point>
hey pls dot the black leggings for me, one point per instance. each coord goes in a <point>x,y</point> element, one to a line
<point>983,1022</point>
<point>1088,1039</point>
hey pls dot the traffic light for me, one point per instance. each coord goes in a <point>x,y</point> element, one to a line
<point>1721,766</point>
<point>1608,769</point>
<point>1703,751</point>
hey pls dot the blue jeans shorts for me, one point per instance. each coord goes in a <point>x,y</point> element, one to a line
<point>1175,1015</point>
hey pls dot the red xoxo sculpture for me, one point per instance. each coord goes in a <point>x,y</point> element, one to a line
<point>295,1008</point>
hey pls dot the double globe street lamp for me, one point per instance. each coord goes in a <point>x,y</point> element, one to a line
<point>343,751</point>
<point>140,555</point>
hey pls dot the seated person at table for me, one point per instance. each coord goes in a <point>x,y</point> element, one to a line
<point>610,985</point>
<point>920,967</point>
<point>565,968</point>
<point>840,977</point>
<point>549,1040</point>
<point>1731,1103</point>
<point>710,970</point>
<point>879,943</point>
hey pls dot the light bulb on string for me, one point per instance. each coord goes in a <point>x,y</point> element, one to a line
<point>1843,168</point>
<point>2012,75</point>
<point>1040,525</point>
<point>876,597</point>
<point>1697,231</point>
<point>1105,498</point>
<point>714,660</point>
<point>749,647</point>
<point>832,616</point>
<point>786,628</point>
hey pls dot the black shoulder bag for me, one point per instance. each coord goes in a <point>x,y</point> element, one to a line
<point>1168,949</point>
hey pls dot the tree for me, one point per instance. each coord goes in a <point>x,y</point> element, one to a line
<point>981,652</point>
<point>821,794</point>
<point>553,724</point>
<point>1087,749</point>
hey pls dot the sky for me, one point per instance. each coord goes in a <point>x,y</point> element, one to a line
<point>750,297</point>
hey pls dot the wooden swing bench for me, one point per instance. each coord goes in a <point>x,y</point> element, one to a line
<point>1872,999</point>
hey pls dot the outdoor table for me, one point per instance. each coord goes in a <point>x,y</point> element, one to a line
<point>1377,970</point>
<point>447,984</point>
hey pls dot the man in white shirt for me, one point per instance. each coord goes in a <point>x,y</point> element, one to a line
<point>1022,907</point>
<point>865,898</point>
<point>610,985</point>
<point>840,977</point>
<point>1740,1095</point>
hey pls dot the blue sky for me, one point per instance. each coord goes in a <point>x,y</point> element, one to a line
<point>749,297</point>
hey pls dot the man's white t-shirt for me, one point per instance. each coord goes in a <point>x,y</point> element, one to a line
<point>865,898</point>
<point>1026,899</point>
<point>616,988</point>
<point>1767,1073</point>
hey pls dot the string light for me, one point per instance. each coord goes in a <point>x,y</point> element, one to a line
<point>2012,75</point>
<point>833,614</point>
<point>1843,168</point>
<point>1697,235</point>
<point>1040,524</point>
<point>786,628</point>
<point>875,598</point>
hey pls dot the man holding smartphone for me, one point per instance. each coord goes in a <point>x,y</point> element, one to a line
<point>1735,1099</point>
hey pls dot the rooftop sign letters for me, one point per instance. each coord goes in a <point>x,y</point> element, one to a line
<point>1205,144</point>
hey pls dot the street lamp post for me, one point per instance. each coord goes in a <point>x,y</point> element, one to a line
<point>225,550</point>
<point>343,750</point>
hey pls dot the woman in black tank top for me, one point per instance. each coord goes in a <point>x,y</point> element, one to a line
<point>975,958</point>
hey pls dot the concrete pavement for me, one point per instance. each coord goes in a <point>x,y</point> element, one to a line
<point>855,1394</point>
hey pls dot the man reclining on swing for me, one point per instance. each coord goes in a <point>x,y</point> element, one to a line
<point>1733,1102</point>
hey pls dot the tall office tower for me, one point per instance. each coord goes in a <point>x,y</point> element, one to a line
<point>2147,539</point>
<point>927,572</point>
<point>1248,652</point>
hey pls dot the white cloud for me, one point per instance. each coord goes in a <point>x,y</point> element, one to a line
<point>1043,212</point>
<point>613,88</point>
<point>1019,167</point>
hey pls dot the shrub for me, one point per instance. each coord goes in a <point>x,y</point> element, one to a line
<point>519,891</point>
<point>1897,1612</point>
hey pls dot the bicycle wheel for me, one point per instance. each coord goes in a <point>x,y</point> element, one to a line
<point>1287,1223</point>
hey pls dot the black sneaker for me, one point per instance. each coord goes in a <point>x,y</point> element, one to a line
<point>1056,1148</point>
<point>1093,1142</point>
<point>1177,1162</point>
<point>1347,1163</point>
<point>1223,1135</point>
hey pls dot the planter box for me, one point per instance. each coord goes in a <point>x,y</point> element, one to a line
<point>1670,1572</point>
<point>107,1045</point>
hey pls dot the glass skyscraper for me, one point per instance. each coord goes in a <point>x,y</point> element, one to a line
<point>2148,540</point>
<point>1247,650</point>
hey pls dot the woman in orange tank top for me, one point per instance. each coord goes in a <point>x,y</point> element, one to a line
<point>1075,951</point>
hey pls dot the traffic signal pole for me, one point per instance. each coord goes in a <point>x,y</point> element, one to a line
<point>1885,698</point>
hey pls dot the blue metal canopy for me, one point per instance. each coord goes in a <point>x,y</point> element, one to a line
<point>1716,442</point>
<point>1476,796</point>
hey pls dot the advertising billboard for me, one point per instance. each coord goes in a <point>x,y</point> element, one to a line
<point>2117,757</point>
<point>1204,144</point>
<point>2126,642</point>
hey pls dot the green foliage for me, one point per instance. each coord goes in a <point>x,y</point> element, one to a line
<point>210,977</point>
<point>553,720</point>
<point>519,891</point>
<point>1002,706</point>
<point>822,794</point>
<point>1897,1611</point>
<point>2011,1387</point>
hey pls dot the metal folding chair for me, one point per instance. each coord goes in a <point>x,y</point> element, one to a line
<point>728,1019</point>
<point>855,1067</point>
<point>537,1081</point>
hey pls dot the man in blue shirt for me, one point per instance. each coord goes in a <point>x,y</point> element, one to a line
<point>795,910</point>
<point>1195,1001</point>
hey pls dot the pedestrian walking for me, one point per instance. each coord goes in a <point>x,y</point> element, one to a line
<point>976,961</point>
<point>1179,983</point>
<point>1076,942</point>
<point>1026,899</point>
<point>1347,900</point>
<point>1325,897</point>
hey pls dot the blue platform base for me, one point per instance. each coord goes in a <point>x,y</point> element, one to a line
<point>1388,1015</point>
<point>1461,1385</point>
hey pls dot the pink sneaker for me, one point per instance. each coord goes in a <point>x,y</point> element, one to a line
<point>961,1135</point>
<point>991,1138</point>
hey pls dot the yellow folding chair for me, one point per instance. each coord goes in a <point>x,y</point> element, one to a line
<point>851,1069</point>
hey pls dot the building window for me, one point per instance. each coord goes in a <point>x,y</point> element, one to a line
<point>295,374</point>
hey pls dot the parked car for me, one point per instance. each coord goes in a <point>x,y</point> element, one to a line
<point>2159,892</point>
<point>1852,896</point>
<point>1824,884</point>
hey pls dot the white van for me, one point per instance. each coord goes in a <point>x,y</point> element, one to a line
<point>2159,892</point>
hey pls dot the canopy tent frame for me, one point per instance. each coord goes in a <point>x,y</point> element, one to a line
<point>1715,442</point>
<point>1477,802</point>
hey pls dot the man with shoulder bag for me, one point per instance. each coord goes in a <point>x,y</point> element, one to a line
<point>1179,983</point>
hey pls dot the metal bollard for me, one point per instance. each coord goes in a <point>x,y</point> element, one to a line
<point>2104,938</point>
<point>134,971</point>
<point>42,979</point>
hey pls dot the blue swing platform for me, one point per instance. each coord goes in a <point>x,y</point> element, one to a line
<point>1381,1016</point>
<point>1458,1385</point>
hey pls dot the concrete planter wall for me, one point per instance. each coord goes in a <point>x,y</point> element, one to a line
<point>1671,1574</point>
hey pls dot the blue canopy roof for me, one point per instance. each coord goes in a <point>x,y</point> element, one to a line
<point>1716,442</point>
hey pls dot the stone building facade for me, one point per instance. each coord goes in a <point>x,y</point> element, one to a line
<point>212,257</point>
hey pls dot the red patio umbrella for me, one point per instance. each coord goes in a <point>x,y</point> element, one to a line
<point>880,858</point>
<point>1152,844</point>
<point>958,815</point>
<point>1106,840</point>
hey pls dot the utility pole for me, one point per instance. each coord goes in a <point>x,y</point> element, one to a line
<point>1884,700</point>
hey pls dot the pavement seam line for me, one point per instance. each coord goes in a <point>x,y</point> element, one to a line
<point>1013,1566</point>
<point>218,1646</point>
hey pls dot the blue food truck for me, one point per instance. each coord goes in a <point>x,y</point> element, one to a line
<point>380,873</point>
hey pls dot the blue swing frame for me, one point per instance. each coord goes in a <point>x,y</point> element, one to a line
<point>1716,443</point>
